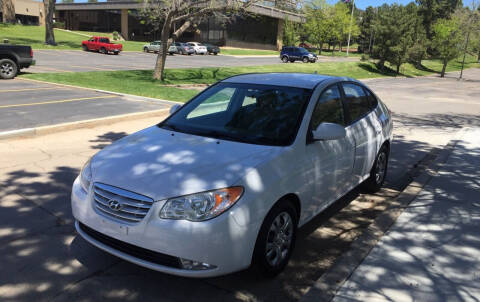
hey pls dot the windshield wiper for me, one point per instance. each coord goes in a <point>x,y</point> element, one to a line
<point>167,126</point>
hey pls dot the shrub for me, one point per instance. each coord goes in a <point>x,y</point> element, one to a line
<point>59,25</point>
<point>115,36</point>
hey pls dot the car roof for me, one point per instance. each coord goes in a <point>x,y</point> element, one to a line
<point>300,80</point>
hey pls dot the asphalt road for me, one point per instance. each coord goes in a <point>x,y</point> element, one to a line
<point>28,104</point>
<point>44,260</point>
<point>78,61</point>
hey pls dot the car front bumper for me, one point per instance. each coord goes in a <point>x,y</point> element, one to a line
<point>220,242</point>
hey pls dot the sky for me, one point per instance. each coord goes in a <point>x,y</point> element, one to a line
<point>362,4</point>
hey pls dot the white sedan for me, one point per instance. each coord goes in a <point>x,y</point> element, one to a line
<point>199,48</point>
<point>225,181</point>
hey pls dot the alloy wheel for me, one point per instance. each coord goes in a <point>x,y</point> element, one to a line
<point>6,69</point>
<point>279,239</point>
<point>381,167</point>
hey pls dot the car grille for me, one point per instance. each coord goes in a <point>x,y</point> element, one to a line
<point>132,250</point>
<point>120,204</point>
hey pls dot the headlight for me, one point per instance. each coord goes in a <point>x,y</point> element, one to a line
<point>86,176</point>
<point>201,206</point>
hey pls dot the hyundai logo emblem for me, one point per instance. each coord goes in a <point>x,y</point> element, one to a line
<point>114,205</point>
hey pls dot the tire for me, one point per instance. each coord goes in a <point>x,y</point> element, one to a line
<point>379,171</point>
<point>285,59</point>
<point>305,60</point>
<point>8,69</point>
<point>103,50</point>
<point>84,47</point>
<point>116,53</point>
<point>215,53</point>
<point>145,49</point>
<point>271,260</point>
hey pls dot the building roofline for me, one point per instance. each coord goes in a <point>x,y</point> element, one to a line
<point>118,5</point>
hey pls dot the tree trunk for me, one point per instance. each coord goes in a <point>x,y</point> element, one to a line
<point>442,74</point>
<point>398,68</point>
<point>49,10</point>
<point>478,59</point>
<point>159,71</point>
<point>8,9</point>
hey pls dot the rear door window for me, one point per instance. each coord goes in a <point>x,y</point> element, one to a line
<point>357,102</point>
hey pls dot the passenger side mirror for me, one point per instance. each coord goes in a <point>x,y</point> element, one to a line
<point>329,131</point>
<point>174,108</point>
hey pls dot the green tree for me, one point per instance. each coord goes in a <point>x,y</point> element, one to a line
<point>365,38</point>
<point>290,33</point>
<point>317,26</point>
<point>394,34</point>
<point>447,40</point>
<point>418,51</point>
<point>341,24</point>
<point>432,10</point>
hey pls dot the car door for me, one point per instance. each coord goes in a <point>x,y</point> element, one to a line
<point>331,160</point>
<point>362,127</point>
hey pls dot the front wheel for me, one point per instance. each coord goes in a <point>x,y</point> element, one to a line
<point>116,52</point>
<point>378,173</point>
<point>8,69</point>
<point>276,239</point>
<point>103,50</point>
<point>145,49</point>
<point>84,47</point>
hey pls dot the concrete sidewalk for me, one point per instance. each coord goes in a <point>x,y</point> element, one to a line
<point>432,252</point>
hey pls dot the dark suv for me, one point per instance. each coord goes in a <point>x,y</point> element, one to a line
<point>292,54</point>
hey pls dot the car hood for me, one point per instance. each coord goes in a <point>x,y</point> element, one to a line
<point>160,164</point>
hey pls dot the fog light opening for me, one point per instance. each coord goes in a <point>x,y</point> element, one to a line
<point>195,265</point>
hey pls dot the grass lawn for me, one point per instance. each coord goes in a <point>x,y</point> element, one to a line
<point>247,52</point>
<point>35,37</point>
<point>139,82</point>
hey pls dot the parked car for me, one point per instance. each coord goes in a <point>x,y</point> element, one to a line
<point>13,58</point>
<point>184,48</point>
<point>226,179</point>
<point>102,45</point>
<point>212,49</point>
<point>155,47</point>
<point>292,54</point>
<point>200,49</point>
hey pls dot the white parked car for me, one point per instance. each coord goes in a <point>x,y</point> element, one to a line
<point>155,47</point>
<point>225,181</point>
<point>199,48</point>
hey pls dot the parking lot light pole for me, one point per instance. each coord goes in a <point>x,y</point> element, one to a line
<point>350,31</point>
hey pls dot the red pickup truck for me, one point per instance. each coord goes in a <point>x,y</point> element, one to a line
<point>102,45</point>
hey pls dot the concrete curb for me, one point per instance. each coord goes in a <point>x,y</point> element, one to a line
<point>44,130</point>
<point>325,288</point>
<point>131,96</point>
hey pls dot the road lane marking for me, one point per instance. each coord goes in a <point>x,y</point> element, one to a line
<point>59,101</point>
<point>28,89</point>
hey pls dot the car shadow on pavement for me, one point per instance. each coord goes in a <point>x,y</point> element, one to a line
<point>44,259</point>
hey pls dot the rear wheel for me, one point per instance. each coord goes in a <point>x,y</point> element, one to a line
<point>285,59</point>
<point>8,69</point>
<point>378,172</point>
<point>145,49</point>
<point>276,239</point>
<point>305,60</point>
<point>84,47</point>
<point>103,50</point>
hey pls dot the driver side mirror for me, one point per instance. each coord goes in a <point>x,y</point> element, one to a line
<point>329,131</point>
<point>174,108</point>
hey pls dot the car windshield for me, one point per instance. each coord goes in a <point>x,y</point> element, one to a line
<point>303,50</point>
<point>256,114</point>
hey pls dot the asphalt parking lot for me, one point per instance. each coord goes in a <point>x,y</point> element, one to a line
<point>44,260</point>
<point>28,104</point>
<point>79,61</point>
